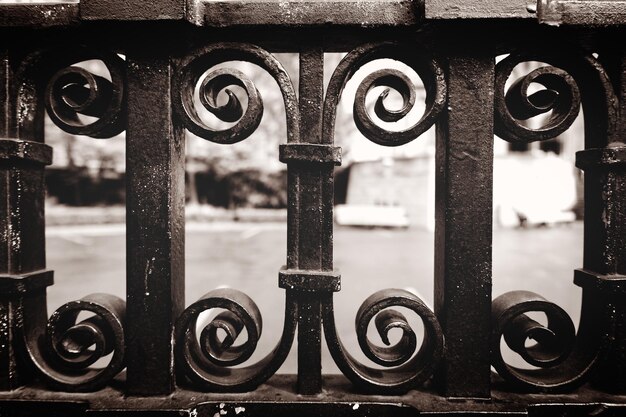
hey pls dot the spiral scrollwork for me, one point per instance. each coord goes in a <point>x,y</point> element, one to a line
<point>77,100</point>
<point>569,79</point>
<point>217,81</point>
<point>66,349</point>
<point>426,68</point>
<point>409,365</point>
<point>559,361</point>
<point>208,359</point>
<point>390,78</point>
<point>74,91</point>
<point>560,96</point>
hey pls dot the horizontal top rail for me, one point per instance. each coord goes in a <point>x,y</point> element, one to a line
<point>234,13</point>
<point>227,13</point>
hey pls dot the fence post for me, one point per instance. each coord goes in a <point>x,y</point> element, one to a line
<point>463,219</point>
<point>22,226</point>
<point>155,166</point>
<point>603,276</point>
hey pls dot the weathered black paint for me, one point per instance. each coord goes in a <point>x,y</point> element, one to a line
<point>464,187</point>
<point>155,156</point>
<point>22,247</point>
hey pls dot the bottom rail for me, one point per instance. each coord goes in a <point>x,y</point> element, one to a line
<point>277,398</point>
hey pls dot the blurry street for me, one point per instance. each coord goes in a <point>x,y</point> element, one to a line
<point>247,256</point>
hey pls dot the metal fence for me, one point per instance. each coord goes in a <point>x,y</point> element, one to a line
<point>160,58</point>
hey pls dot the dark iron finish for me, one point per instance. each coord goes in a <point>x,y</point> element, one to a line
<point>428,70</point>
<point>410,366</point>
<point>155,225</point>
<point>210,366</point>
<point>178,366</point>
<point>22,260</point>
<point>464,156</point>
<point>40,15</point>
<point>277,397</point>
<point>74,90</point>
<point>308,276</point>
<point>566,361</point>
<point>21,222</point>
<point>310,233</point>
<point>562,95</point>
<point>61,350</point>
<point>605,265</point>
<point>56,351</point>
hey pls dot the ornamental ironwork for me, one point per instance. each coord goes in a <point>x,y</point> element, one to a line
<point>164,73</point>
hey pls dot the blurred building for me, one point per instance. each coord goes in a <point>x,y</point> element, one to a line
<point>534,183</point>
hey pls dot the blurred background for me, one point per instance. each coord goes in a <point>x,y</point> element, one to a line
<point>384,211</point>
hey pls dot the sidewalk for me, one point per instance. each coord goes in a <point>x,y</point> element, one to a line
<point>57,215</point>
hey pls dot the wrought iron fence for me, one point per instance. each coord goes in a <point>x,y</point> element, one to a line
<point>160,58</point>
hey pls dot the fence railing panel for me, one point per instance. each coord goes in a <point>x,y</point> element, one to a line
<point>163,74</point>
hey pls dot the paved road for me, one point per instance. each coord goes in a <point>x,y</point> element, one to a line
<point>90,259</point>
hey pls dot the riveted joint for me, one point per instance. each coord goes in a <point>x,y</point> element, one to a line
<point>13,284</point>
<point>309,281</point>
<point>612,283</point>
<point>24,150</point>
<point>607,158</point>
<point>310,153</point>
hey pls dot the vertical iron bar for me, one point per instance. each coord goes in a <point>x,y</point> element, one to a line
<point>464,158</point>
<point>605,226</point>
<point>605,234</point>
<point>309,246</point>
<point>22,224</point>
<point>155,163</point>
<point>9,376</point>
<point>5,97</point>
